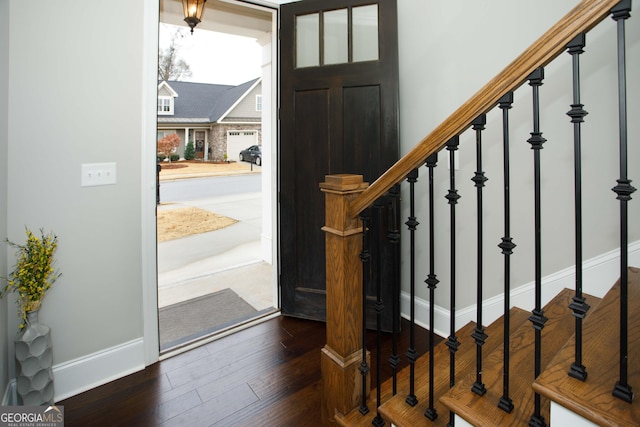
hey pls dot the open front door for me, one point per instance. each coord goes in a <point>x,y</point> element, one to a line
<point>338,114</point>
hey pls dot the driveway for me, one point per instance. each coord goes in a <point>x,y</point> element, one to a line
<point>199,169</point>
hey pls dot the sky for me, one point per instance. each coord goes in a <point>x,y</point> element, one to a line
<point>216,57</point>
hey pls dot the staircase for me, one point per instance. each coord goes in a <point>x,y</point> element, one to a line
<point>575,357</point>
<point>591,399</point>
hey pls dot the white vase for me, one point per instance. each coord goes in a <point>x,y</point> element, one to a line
<point>34,359</point>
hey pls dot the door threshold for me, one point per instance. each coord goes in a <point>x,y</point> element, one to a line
<point>206,339</point>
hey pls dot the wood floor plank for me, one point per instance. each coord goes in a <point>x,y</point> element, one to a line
<point>215,409</point>
<point>177,406</point>
<point>300,409</point>
<point>267,375</point>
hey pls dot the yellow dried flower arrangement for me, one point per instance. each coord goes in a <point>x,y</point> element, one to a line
<point>33,273</point>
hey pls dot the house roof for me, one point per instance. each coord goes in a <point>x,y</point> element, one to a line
<point>202,102</point>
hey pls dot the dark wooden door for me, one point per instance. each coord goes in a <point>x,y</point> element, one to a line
<point>338,114</point>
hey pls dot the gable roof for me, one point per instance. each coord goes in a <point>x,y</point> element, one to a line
<point>203,102</point>
<point>164,88</point>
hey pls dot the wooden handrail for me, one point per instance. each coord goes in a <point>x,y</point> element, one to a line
<point>550,45</point>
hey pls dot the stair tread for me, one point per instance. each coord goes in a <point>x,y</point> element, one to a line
<point>403,415</point>
<point>592,398</point>
<point>354,418</point>
<point>483,410</point>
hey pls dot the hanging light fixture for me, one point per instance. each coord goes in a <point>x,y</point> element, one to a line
<point>193,12</point>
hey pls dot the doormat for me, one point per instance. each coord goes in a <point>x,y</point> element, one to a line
<point>189,320</point>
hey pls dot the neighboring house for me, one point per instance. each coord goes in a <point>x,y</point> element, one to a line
<point>220,120</point>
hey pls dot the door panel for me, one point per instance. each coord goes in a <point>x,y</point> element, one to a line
<point>361,109</point>
<point>312,154</point>
<point>338,114</point>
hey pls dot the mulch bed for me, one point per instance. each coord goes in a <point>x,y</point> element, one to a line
<point>173,166</point>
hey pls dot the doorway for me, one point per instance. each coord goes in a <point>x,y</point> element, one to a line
<point>221,279</point>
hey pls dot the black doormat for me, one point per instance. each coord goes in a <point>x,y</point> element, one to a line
<point>192,319</point>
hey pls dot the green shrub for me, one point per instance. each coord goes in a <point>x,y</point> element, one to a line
<point>189,151</point>
<point>174,157</point>
<point>161,158</point>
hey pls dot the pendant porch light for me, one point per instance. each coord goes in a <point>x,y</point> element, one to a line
<point>193,12</point>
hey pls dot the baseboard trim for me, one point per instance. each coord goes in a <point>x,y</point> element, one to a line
<point>600,273</point>
<point>82,374</point>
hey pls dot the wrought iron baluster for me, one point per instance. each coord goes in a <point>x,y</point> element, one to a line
<point>537,317</point>
<point>577,113</point>
<point>378,421</point>
<point>453,197</point>
<point>394,239</point>
<point>412,224</point>
<point>479,179</point>
<point>622,389</point>
<point>432,283</point>
<point>365,257</point>
<point>507,246</point>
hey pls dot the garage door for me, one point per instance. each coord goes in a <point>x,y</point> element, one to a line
<point>238,141</point>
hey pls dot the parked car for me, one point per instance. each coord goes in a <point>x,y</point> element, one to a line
<point>252,154</point>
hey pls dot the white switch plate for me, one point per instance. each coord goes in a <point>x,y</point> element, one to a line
<point>98,174</point>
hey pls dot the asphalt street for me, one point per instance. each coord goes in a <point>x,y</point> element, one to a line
<point>194,189</point>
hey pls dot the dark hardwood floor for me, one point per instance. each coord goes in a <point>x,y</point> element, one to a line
<point>267,375</point>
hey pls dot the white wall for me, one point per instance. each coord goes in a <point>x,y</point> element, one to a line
<point>4,79</point>
<point>77,95</point>
<point>448,51</point>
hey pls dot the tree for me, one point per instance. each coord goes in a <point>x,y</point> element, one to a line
<point>168,145</point>
<point>189,151</point>
<point>170,65</point>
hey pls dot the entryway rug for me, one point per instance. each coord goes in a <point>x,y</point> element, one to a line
<point>189,320</point>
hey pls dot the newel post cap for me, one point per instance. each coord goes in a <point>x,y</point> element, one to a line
<point>343,183</point>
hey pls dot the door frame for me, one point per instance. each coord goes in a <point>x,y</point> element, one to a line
<point>270,61</point>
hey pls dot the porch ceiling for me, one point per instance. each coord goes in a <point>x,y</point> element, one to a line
<point>223,16</point>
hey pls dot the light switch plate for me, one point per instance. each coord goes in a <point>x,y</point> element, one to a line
<point>93,174</point>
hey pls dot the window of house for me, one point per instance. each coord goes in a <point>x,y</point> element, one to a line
<point>165,105</point>
<point>162,133</point>
<point>343,36</point>
<point>258,102</point>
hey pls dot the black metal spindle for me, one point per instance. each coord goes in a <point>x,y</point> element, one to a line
<point>622,389</point>
<point>365,257</point>
<point>412,225</point>
<point>507,246</point>
<point>453,197</point>
<point>432,283</point>
<point>577,113</point>
<point>378,421</point>
<point>479,179</point>
<point>537,317</point>
<point>394,239</point>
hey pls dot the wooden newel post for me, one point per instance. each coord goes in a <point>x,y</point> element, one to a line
<point>342,355</point>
